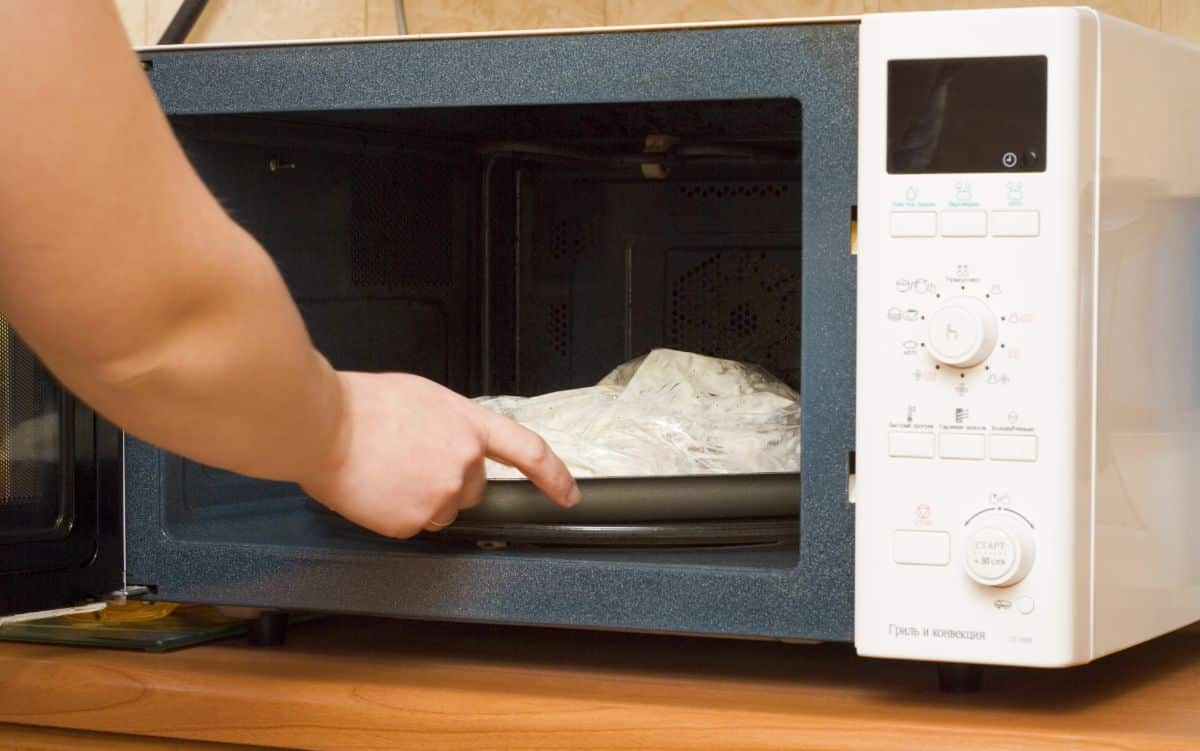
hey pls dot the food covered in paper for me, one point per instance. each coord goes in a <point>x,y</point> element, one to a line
<point>666,413</point>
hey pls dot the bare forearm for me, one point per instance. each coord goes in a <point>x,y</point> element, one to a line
<point>233,381</point>
<point>123,273</point>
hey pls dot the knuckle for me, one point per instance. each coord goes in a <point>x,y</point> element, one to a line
<point>538,451</point>
<point>473,498</point>
<point>471,451</point>
<point>565,483</point>
<point>449,488</point>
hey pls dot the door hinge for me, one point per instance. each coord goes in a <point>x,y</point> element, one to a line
<point>129,591</point>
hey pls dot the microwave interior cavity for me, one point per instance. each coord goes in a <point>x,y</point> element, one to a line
<point>522,250</point>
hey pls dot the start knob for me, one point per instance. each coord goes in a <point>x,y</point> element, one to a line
<point>963,332</point>
<point>1000,549</point>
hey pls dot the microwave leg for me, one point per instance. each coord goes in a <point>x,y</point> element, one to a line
<point>957,678</point>
<point>268,629</point>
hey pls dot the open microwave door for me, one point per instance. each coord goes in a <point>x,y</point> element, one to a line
<point>61,536</point>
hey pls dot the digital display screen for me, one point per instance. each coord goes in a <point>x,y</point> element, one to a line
<point>974,114</point>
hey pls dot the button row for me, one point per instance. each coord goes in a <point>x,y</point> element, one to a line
<point>968,446</point>
<point>965,223</point>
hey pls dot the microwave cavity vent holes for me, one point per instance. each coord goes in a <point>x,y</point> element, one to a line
<point>570,239</point>
<point>387,195</point>
<point>749,190</point>
<point>737,304</point>
<point>560,328</point>
<point>743,320</point>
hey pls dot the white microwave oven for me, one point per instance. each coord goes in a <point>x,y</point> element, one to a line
<point>969,239</point>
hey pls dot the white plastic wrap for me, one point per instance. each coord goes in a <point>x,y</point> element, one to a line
<point>667,413</point>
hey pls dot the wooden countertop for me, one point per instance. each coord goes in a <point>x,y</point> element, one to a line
<point>361,683</point>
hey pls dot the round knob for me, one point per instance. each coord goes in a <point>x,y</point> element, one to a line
<point>963,332</point>
<point>1000,549</point>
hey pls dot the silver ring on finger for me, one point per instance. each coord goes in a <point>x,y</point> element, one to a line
<point>433,525</point>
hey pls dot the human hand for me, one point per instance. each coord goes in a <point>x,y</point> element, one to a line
<point>410,455</point>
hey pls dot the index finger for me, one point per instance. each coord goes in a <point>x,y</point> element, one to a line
<point>520,447</point>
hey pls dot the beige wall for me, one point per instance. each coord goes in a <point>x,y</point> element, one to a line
<point>241,20</point>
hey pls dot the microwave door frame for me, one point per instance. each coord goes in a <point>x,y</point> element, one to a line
<point>75,571</point>
<point>809,596</point>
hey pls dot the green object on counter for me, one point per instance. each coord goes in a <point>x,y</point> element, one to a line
<point>136,625</point>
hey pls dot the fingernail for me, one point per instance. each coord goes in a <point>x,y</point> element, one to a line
<point>574,496</point>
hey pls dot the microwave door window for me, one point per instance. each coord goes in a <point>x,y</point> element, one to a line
<point>33,504</point>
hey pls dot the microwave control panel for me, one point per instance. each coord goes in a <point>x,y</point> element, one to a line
<point>967,349</point>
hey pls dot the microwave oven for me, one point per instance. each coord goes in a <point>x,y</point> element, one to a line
<point>968,238</point>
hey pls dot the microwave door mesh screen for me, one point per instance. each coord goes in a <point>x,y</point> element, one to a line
<point>30,445</point>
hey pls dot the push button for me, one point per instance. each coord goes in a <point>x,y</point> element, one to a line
<point>1016,224</point>
<point>911,547</point>
<point>1000,549</point>
<point>1014,448</point>
<point>964,223</point>
<point>911,444</point>
<point>913,223</point>
<point>962,445</point>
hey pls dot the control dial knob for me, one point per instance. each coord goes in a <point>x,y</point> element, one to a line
<point>963,332</point>
<point>1000,549</point>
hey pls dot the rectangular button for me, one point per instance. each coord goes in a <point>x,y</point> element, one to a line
<point>913,223</point>
<point>1016,224</point>
<point>964,223</point>
<point>911,444</point>
<point>1014,448</point>
<point>912,547</point>
<point>962,445</point>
